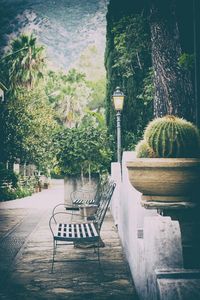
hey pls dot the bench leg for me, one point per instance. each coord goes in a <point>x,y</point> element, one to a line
<point>54,253</point>
<point>98,252</point>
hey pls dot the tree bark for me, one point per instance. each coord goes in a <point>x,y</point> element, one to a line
<point>173,86</point>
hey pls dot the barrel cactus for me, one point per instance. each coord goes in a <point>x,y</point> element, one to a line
<point>170,136</point>
<point>143,150</point>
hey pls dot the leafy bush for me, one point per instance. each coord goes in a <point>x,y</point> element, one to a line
<point>7,176</point>
<point>11,194</point>
<point>13,186</point>
<point>84,149</point>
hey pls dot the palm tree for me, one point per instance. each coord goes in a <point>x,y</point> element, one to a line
<point>26,62</point>
<point>73,98</point>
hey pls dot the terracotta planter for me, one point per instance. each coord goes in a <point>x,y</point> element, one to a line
<point>165,179</point>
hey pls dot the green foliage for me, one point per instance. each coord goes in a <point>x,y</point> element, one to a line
<point>7,176</point>
<point>98,94</point>
<point>27,120</point>
<point>83,147</point>
<point>128,63</point>
<point>148,89</point>
<point>132,42</point>
<point>24,64</point>
<point>96,118</point>
<point>186,61</point>
<point>28,128</point>
<point>74,95</point>
<point>130,139</point>
<point>39,99</point>
<point>170,136</point>
<point>27,116</point>
<point>11,187</point>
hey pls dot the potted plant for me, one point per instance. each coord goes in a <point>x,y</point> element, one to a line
<point>166,169</point>
<point>84,155</point>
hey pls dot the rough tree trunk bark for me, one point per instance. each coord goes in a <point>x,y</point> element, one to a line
<point>173,86</point>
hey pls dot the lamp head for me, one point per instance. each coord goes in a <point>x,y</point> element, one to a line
<point>118,99</point>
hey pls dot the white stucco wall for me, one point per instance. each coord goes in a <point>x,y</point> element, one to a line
<point>150,241</point>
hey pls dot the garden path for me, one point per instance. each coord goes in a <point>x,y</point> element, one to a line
<point>26,250</point>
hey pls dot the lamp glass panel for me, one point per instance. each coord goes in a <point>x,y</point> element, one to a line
<point>118,102</point>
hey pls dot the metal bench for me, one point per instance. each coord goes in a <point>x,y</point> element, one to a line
<point>87,231</point>
<point>83,197</point>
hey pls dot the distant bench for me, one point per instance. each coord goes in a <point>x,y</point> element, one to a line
<point>85,197</point>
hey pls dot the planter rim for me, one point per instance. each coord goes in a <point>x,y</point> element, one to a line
<point>163,162</point>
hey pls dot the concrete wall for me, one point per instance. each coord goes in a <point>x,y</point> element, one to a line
<point>151,242</point>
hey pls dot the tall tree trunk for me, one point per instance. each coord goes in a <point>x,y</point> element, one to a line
<point>173,85</point>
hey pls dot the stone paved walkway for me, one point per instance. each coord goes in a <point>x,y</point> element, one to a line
<point>26,251</point>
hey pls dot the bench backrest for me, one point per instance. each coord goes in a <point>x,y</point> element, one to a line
<point>104,201</point>
<point>89,196</point>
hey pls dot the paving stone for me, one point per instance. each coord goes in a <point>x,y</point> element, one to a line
<point>25,273</point>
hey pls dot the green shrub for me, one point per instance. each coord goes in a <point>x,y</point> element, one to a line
<point>85,149</point>
<point>13,186</point>
<point>11,194</point>
<point>7,176</point>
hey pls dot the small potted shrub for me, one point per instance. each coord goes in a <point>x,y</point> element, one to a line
<point>167,165</point>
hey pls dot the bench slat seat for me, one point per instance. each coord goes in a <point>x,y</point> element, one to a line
<point>85,202</point>
<point>73,232</point>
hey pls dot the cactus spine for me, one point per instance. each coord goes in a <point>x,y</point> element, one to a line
<point>171,136</point>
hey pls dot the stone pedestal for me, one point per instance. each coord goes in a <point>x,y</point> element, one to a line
<point>187,214</point>
<point>189,221</point>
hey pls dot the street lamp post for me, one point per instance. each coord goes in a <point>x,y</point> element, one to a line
<point>118,99</point>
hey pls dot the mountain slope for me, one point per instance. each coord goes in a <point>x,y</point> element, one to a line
<point>66,27</point>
